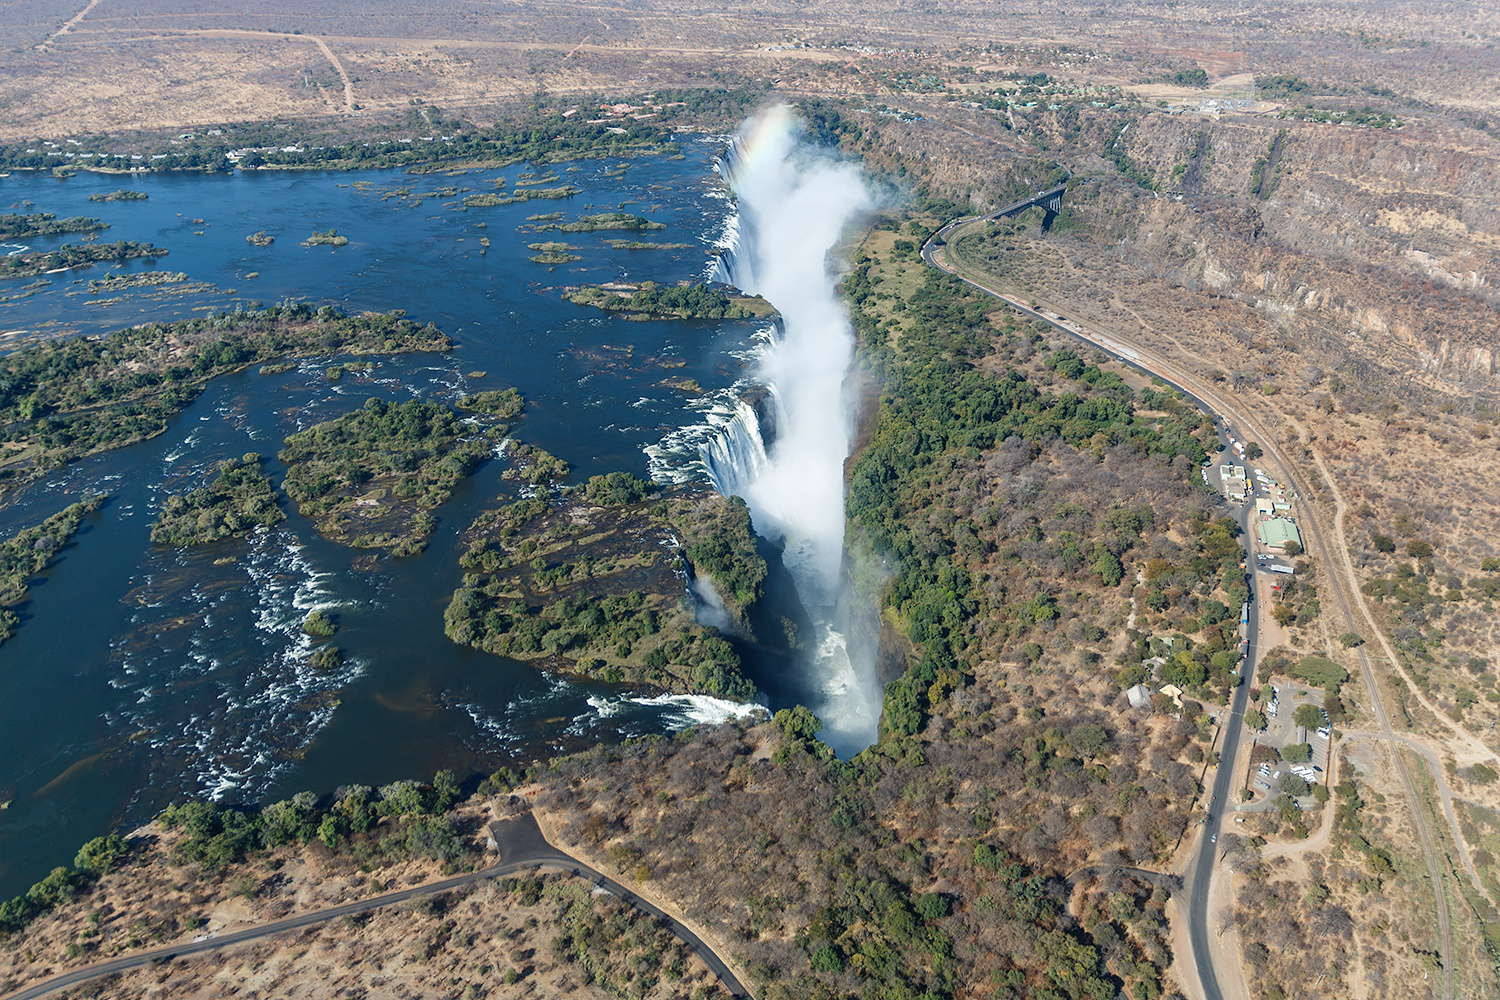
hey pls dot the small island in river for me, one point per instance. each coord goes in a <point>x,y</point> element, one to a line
<point>689,300</point>
<point>65,399</point>
<point>46,224</point>
<point>596,583</point>
<point>240,499</point>
<point>371,477</point>
<point>67,256</point>
<point>31,551</point>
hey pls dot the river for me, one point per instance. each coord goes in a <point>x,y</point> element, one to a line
<point>141,673</point>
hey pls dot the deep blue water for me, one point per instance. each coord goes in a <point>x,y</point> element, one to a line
<point>143,673</point>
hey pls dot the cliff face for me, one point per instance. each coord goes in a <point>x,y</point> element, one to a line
<point>1377,246</point>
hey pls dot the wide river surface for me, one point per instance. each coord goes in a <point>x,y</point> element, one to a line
<point>142,673</point>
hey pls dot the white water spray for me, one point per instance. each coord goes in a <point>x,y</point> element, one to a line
<point>794,205</point>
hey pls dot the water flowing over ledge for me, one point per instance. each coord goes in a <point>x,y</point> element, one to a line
<point>780,443</point>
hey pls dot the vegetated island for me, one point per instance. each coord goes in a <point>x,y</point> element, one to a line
<point>25,265</point>
<point>202,868</point>
<point>31,551</point>
<point>260,238</point>
<point>553,253</point>
<point>638,245</point>
<point>65,399</point>
<point>121,195</point>
<point>47,224</point>
<point>371,477</point>
<point>329,239</point>
<point>503,403</point>
<point>240,499</point>
<point>605,221</point>
<point>690,300</point>
<point>595,583</point>
<point>488,199</point>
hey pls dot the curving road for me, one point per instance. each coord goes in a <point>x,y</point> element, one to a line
<point>521,846</point>
<point>1224,409</point>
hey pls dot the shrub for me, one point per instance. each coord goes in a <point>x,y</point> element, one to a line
<point>1321,671</point>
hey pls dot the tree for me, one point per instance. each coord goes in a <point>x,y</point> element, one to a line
<point>798,725</point>
<point>933,906</point>
<point>1107,565</point>
<point>1255,719</point>
<point>1088,740</point>
<point>1350,639</point>
<point>1294,785</point>
<point>1480,774</point>
<point>1283,614</point>
<point>1383,543</point>
<point>99,855</point>
<point>1418,549</point>
<point>1292,549</point>
<point>1297,753</point>
<point>1490,564</point>
<point>1253,451</point>
<point>1307,716</point>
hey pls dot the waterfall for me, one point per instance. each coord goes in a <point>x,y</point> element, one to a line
<point>784,450</point>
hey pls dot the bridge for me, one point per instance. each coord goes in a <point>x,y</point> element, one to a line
<point>1049,201</point>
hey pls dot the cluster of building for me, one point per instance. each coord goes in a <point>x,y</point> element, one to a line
<point>1274,523</point>
<point>615,112</point>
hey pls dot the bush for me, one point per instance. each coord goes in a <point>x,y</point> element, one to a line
<point>1482,774</point>
<point>1321,671</point>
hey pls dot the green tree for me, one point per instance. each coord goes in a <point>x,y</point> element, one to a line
<point>1088,740</point>
<point>1383,543</point>
<point>1297,753</point>
<point>1294,785</point>
<point>1255,719</point>
<point>1253,451</point>
<point>1108,566</point>
<point>99,855</point>
<point>331,830</point>
<point>799,726</point>
<point>1350,639</point>
<point>933,906</point>
<point>1292,549</point>
<point>1307,716</point>
<point>1418,549</point>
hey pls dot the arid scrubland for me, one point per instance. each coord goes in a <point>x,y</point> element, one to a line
<point>187,65</point>
<point>543,933</point>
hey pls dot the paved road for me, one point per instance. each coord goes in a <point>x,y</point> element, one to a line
<point>1201,871</point>
<point>522,846</point>
<point>1215,402</point>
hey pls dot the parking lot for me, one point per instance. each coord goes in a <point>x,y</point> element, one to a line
<point>1279,702</point>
